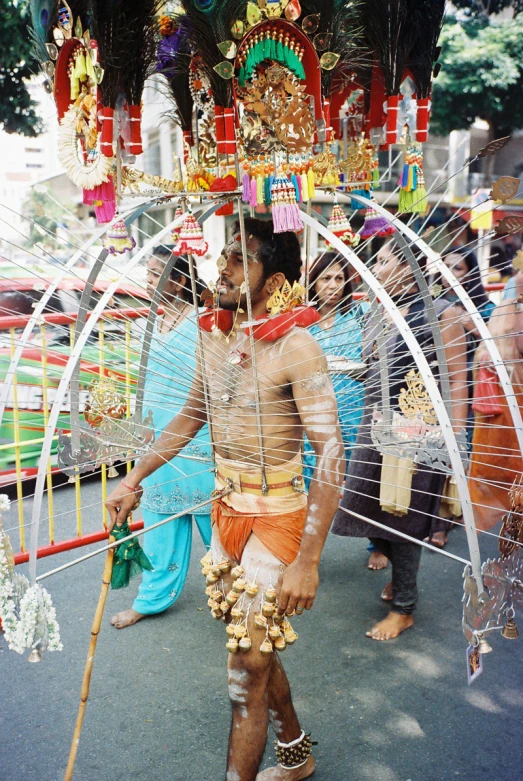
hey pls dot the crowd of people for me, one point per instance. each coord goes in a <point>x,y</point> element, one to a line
<point>293,418</point>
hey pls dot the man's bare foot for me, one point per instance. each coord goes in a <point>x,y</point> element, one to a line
<point>386,594</point>
<point>126,618</point>
<point>390,627</point>
<point>377,560</point>
<point>279,773</point>
<point>439,539</point>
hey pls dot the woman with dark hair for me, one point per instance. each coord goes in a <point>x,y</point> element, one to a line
<point>379,486</point>
<point>182,482</point>
<point>463,262</point>
<point>339,334</point>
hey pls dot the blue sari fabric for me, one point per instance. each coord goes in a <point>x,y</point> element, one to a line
<point>179,484</point>
<point>344,340</point>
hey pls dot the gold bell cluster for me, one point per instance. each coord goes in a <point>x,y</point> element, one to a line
<point>234,607</point>
<point>294,755</point>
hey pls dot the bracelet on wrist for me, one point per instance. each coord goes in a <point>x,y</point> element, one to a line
<point>134,489</point>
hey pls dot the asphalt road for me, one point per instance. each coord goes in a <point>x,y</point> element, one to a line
<point>395,711</point>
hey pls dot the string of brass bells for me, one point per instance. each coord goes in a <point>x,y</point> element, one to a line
<point>234,607</point>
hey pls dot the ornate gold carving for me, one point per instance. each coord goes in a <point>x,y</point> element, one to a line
<point>274,103</point>
<point>285,298</point>
<point>512,527</point>
<point>132,177</point>
<point>493,147</point>
<point>510,225</point>
<point>504,188</point>
<point>414,400</point>
<point>104,402</point>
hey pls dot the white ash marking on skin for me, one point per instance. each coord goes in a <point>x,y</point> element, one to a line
<point>318,406</point>
<point>322,429</point>
<point>232,775</point>
<point>312,520</point>
<point>238,696</point>
<point>328,419</point>
<point>330,460</point>
<point>276,724</point>
<point>320,379</point>
<point>238,676</point>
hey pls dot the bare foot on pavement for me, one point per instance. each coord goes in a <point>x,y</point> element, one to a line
<point>386,594</point>
<point>126,618</point>
<point>390,627</point>
<point>279,773</point>
<point>377,560</point>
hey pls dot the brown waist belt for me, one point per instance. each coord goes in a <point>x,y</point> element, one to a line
<point>278,483</point>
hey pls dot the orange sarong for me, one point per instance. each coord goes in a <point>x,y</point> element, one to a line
<point>280,533</point>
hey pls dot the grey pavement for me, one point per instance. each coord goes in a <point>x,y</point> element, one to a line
<point>395,711</point>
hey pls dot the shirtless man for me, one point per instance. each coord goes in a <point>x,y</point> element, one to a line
<point>265,524</point>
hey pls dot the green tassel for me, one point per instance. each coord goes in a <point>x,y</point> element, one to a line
<point>129,558</point>
<point>241,77</point>
<point>280,54</point>
<point>300,72</point>
<point>420,202</point>
<point>267,189</point>
<point>375,178</point>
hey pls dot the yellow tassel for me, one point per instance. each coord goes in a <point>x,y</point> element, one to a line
<point>304,188</point>
<point>259,190</point>
<point>450,505</point>
<point>395,484</point>
<point>311,182</point>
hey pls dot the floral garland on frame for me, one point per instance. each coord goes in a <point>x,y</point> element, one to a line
<point>26,612</point>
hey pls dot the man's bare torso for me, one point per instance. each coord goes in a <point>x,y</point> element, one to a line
<point>231,388</point>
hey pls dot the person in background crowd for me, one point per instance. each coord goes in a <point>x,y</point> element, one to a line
<point>464,264</point>
<point>339,333</point>
<point>182,482</point>
<point>496,457</point>
<point>373,483</point>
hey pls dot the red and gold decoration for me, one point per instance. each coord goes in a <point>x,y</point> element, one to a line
<point>293,96</point>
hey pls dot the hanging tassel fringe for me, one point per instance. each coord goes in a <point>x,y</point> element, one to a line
<point>413,194</point>
<point>376,225</point>
<point>339,224</point>
<point>117,240</point>
<point>285,211</point>
<point>191,239</point>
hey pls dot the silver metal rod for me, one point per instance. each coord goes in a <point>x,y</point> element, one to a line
<point>405,536</point>
<point>188,511</point>
<point>252,346</point>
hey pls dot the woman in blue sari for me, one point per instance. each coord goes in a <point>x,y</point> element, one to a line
<point>339,333</point>
<point>186,480</point>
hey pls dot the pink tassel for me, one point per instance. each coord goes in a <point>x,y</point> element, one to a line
<point>246,188</point>
<point>253,198</point>
<point>105,212</point>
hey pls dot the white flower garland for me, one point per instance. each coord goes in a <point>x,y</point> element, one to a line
<point>27,613</point>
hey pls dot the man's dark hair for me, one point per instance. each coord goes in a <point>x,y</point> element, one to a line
<point>279,252</point>
<point>180,268</point>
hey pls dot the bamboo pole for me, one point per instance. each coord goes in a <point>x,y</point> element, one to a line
<point>86,682</point>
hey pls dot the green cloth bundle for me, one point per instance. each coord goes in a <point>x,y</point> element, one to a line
<point>129,558</point>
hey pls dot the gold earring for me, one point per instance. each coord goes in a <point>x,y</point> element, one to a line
<point>285,298</point>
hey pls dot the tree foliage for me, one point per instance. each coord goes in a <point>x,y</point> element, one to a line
<point>17,109</point>
<point>481,75</point>
<point>488,7</point>
<point>45,217</point>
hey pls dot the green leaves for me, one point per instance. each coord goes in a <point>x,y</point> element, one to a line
<point>481,75</point>
<point>17,109</point>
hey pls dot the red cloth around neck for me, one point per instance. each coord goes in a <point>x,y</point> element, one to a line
<point>270,329</point>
